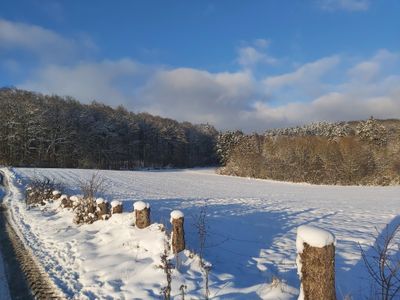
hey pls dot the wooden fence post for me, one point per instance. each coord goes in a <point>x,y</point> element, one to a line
<point>116,207</point>
<point>56,195</point>
<point>316,263</point>
<point>103,208</point>
<point>142,214</point>
<point>178,233</point>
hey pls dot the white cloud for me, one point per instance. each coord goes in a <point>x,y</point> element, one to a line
<point>40,41</point>
<point>87,81</point>
<point>306,79</point>
<point>306,72</point>
<point>184,94</point>
<point>198,96</point>
<point>370,87</point>
<point>255,53</point>
<point>348,5</point>
<point>329,107</point>
<point>45,44</point>
<point>365,71</point>
<point>250,56</point>
<point>369,70</point>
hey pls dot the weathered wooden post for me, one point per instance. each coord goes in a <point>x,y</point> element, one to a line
<point>65,201</point>
<point>316,263</point>
<point>103,208</point>
<point>142,214</point>
<point>178,233</point>
<point>56,195</point>
<point>116,207</point>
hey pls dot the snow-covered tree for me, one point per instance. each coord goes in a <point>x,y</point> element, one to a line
<point>371,131</point>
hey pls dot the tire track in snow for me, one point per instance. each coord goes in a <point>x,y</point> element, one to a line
<point>26,279</point>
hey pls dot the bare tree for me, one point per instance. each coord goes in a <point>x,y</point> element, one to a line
<point>383,262</point>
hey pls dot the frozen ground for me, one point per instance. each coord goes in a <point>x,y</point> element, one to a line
<point>251,238</point>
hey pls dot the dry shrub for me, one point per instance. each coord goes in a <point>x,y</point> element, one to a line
<point>382,261</point>
<point>39,191</point>
<point>95,185</point>
<point>85,208</point>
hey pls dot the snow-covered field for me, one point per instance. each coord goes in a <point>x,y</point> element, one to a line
<point>251,238</point>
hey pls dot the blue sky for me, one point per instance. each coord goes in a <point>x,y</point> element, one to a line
<point>235,64</point>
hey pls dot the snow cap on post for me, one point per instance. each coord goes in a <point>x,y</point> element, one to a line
<point>316,263</point>
<point>103,209</point>
<point>100,200</point>
<point>56,194</point>
<point>176,214</point>
<point>314,237</point>
<point>140,205</point>
<point>115,203</point>
<point>116,207</point>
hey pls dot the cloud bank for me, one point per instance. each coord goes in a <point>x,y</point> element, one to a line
<point>330,88</point>
<point>347,5</point>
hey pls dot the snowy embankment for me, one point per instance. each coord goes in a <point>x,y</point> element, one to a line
<point>251,236</point>
<point>4,291</point>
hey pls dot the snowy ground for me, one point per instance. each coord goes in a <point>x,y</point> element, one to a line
<point>251,236</point>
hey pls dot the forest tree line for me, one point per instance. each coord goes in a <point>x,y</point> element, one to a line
<point>52,131</point>
<point>347,153</point>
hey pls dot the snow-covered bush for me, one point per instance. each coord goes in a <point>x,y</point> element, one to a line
<point>85,211</point>
<point>65,201</point>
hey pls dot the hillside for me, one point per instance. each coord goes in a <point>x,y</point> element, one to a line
<point>52,131</point>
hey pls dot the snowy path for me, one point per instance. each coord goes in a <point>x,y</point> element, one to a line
<point>251,237</point>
